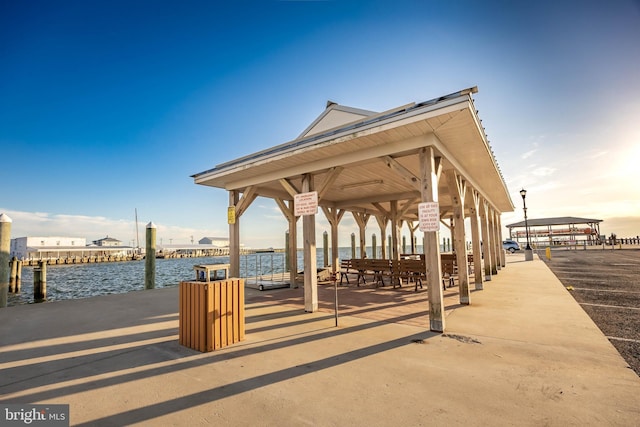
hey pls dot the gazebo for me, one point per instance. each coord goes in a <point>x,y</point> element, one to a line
<point>396,166</point>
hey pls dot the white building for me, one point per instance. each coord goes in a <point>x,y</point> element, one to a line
<point>107,241</point>
<point>21,246</point>
<point>221,242</point>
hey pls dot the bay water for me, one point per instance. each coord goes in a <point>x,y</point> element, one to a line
<point>76,281</point>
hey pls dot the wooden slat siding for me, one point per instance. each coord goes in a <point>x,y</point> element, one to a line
<point>181,317</point>
<point>211,314</point>
<point>224,312</point>
<point>209,310</point>
<point>241,307</point>
<point>230,312</point>
<point>215,326</point>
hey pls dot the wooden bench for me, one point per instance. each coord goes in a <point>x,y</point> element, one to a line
<point>409,270</point>
<point>345,265</point>
<point>376,269</point>
<point>449,269</point>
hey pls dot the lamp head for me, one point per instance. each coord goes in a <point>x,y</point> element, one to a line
<point>523,193</point>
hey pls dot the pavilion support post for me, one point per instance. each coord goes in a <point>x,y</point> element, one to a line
<point>5,248</point>
<point>234,235</point>
<point>293,252</point>
<point>310,262</point>
<point>429,172</point>
<point>383,232</point>
<point>503,261</point>
<point>288,211</point>
<point>486,239</point>
<point>382,218</point>
<point>475,240</point>
<point>334,216</point>
<point>395,231</point>
<point>457,189</point>
<point>494,237</point>
<point>362,219</point>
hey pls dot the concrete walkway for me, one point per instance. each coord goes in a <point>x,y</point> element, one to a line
<point>523,353</point>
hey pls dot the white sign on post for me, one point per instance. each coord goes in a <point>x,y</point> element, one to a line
<point>305,203</point>
<point>429,216</point>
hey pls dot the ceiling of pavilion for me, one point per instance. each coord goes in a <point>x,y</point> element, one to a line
<point>351,160</point>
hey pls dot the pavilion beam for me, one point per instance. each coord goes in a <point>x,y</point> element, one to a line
<point>475,240</point>
<point>330,179</point>
<point>405,173</point>
<point>310,263</point>
<point>287,208</point>
<point>429,191</point>
<point>458,189</point>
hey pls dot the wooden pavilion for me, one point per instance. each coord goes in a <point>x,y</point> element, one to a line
<point>384,165</point>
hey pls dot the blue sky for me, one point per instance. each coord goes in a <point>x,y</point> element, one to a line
<point>111,106</point>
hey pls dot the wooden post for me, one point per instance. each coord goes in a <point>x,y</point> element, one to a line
<point>310,262</point>
<point>475,240</point>
<point>373,246</point>
<point>429,172</point>
<point>486,239</point>
<point>287,255</point>
<point>325,248</point>
<point>458,189</point>
<point>40,282</point>
<point>353,245</point>
<point>18,276</point>
<point>12,276</point>
<point>150,257</point>
<point>5,247</point>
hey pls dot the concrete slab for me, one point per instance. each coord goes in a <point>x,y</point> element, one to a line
<point>523,353</point>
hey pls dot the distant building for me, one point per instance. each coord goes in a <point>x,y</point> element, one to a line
<point>22,246</point>
<point>566,230</point>
<point>222,242</point>
<point>107,241</point>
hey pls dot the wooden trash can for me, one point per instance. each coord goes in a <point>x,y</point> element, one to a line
<point>211,314</point>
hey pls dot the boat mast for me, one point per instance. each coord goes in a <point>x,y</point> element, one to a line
<point>137,234</point>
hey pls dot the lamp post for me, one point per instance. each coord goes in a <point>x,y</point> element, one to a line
<point>528,254</point>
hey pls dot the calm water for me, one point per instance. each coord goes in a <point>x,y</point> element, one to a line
<point>77,281</point>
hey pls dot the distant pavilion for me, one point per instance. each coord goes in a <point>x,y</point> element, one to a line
<point>381,165</point>
<point>563,230</point>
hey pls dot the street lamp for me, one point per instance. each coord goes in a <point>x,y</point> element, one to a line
<point>523,193</point>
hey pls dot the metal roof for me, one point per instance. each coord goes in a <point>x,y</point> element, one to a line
<point>353,158</point>
<point>562,220</point>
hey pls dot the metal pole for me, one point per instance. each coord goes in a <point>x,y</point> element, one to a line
<point>526,225</point>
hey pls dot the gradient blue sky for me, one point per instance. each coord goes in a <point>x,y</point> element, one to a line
<point>111,106</point>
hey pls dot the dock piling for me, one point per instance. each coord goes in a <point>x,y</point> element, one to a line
<point>150,257</point>
<point>40,282</point>
<point>12,275</point>
<point>5,247</point>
